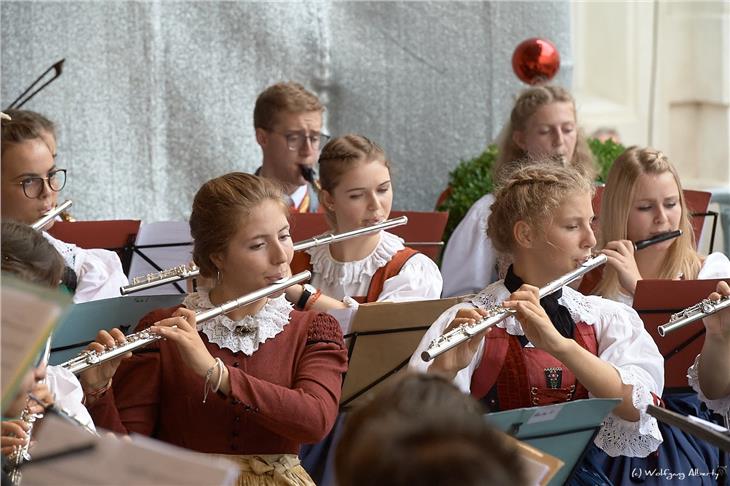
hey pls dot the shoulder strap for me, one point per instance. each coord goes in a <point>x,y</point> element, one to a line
<point>390,269</point>
<point>485,376</point>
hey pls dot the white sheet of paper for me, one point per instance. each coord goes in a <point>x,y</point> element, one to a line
<point>543,414</point>
<point>116,461</point>
<point>27,317</point>
<point>344,317</point>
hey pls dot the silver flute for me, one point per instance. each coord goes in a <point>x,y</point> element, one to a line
<point>498,313</point>
<point>183,272</point>
<point>51,214</point>
<point>151,280</point>
<point>88,359</point>
<point>702,309</point>
<point>20,454</point>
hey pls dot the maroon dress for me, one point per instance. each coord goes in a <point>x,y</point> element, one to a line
<point>285,394</point>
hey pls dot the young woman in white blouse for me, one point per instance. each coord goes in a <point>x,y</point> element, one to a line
<point>710,374</point>
<point>565,346</point>
<point>357,192</point>
<point>543,123</point>
<point>30,185</point>
<point>643,197</point>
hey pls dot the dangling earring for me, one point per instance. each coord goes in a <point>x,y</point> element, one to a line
<point>218,277</point>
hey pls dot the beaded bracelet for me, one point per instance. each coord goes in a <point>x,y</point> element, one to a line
<point>208,374</point>
<point>98,392</point>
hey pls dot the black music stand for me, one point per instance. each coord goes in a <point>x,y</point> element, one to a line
<point>655,301</point>
<point>161,246</point>
<point>382,338</point>
<point>712,433</point>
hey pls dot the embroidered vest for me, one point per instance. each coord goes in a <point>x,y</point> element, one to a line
<point>302,261</point>
<point>512,376</point>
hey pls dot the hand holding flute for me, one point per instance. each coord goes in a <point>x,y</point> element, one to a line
<point>621,257</point>
<point>97,379</point>
<point>449,363</point>
<point>714,360</point>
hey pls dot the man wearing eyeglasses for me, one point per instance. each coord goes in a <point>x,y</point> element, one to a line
<point>288,123</point>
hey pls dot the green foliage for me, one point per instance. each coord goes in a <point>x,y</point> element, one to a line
<point>605,153</point>
<point>469,181</point>
<point>472,179</point>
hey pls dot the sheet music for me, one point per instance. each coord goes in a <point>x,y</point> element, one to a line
<point>116,461</point>
<point>344,317</point>
<point>28,315</point>
<point>167,257</point>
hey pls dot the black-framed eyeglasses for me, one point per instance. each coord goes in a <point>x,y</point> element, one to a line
<point>296,140</point>
<point>33,186</point>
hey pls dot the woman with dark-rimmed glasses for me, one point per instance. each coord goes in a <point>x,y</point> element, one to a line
<point>30,185</point>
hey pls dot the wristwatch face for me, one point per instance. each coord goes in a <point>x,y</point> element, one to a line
<point>309,288</point>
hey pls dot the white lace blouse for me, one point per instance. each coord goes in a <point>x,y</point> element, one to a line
<point>419,279</point>
<point>68,394</point>
<point>469,261</point>
<point>721,405</point>
<point>622,342</point>
<point>244,335</point>
<point>99,272</point>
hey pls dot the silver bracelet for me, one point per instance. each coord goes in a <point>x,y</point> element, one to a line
<point>207,387</point>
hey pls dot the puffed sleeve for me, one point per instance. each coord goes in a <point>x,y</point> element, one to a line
<point>99,274</point>
<point>716,265</point>
<point>468,263</point>
<point>306,411</point>
<point>419,279</point>
<point>132,403</point>
<point>463,377</point>
<point>68,393</point>
<point>624,343</point>
<point>721,405</point>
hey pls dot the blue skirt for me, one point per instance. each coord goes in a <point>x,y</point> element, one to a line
<point>680,459</point>
<point>319,459</point>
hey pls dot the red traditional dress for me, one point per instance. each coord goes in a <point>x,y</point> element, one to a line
<point>285,370</point>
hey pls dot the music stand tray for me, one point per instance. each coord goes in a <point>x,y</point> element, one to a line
<point>382,338</point>
<point>114,235</point>
<point>81,324</point>
<point>564,430</point>
<point>655,301</point>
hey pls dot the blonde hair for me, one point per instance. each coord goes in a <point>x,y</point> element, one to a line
<point>218,208</point>
<point>531,193</point>
<point>526,105</point>
<point>286,97</point>
<point>340,155</point>
<point>616,203</point>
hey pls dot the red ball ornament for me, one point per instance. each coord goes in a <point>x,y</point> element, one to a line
<point>536,61</point>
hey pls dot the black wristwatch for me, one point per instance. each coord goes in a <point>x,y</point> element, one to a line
<point>307,292</point>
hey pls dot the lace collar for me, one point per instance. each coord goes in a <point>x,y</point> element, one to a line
<point>338,273</point>
<point>247,334</point>
<point>581,308</point>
